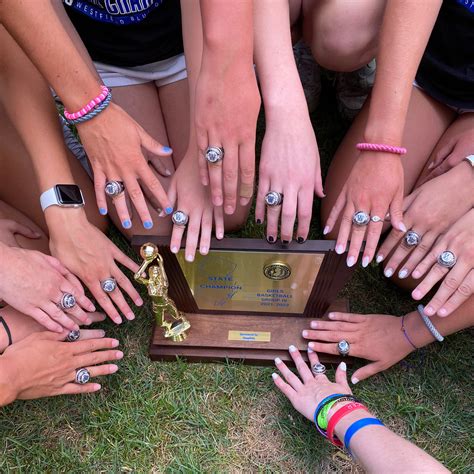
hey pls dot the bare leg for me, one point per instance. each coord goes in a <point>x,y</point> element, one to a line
<point>343,34</point>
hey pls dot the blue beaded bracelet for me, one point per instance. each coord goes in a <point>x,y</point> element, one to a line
<point>355,427</point>
<point>94,112</point>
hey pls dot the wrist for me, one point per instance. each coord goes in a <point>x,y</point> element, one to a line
<point>417,330</point>
<point>59,218</point>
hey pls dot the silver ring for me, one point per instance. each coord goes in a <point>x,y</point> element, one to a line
<point>376,219</point>
<point>214,154</point>
<point>412,238</point>
<point>318,369</point>
<point>73,335</point>
<point>82,376</point>
<point>68,301</point>
<point>273,198</point>
<point>343,347</point>
<point>114,188</point>
<point>109,284</point>
<point>447,259</point>
<point>180,218</point>
<point>360,218</point>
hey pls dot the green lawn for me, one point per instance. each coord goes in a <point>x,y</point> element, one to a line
<point>174,417</point>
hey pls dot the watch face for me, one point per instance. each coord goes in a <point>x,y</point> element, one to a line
<point>69,195</point>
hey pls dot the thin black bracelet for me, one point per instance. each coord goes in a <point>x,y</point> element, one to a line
<point>7,330</point>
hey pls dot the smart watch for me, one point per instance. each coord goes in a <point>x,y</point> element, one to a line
<point>62,195</point>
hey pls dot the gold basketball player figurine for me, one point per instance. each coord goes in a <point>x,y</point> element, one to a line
<point>157,285</point>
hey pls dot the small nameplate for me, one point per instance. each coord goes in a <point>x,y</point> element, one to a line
<point>250,336</point>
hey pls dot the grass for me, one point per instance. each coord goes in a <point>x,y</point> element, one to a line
<point>175,417</point>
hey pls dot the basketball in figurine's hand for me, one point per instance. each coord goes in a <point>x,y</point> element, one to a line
<point>148,251</point>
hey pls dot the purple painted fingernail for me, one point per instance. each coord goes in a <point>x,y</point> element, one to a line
<point>339,249</point>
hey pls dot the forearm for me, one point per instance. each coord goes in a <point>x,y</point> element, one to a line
<point>53,48</point>
<point>405,32</point>
<point>7,390</point>
<point>280,84</point>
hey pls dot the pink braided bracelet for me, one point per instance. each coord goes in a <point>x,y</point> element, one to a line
<point>88,107</point>
<point>397,150</point>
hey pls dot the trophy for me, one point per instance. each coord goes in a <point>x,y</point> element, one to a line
<point>246,300</point>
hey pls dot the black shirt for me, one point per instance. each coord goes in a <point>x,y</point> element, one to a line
<point>128,33</point>
<point>446,70</point>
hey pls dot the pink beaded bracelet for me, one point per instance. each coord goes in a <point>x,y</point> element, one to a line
<point>397,150</point>
<point>88,107</point>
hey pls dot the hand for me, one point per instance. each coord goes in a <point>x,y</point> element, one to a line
<point>195,200</point>
<point>305,394</point>
<point>289,149</point>
<point>92,257</point>
<point>375,186</point>
<point>41,365</point>
<point>227,107</point>
<point>458,282</point>
<point>375,337</point>
<point>34,283</point>
<point>454,146</point>
<point>429,210</point>
<point>113,142</point>
<point>9,229</point>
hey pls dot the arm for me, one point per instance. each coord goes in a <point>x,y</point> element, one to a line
<point>8,392</point>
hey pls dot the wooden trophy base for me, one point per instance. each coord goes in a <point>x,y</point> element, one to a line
<point>254,340</point>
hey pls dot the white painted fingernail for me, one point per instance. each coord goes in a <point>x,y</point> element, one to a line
<point>314,324</point>
<point>354,380</point>
<point>277,360</point>
<point>402,227</point>
<point>310,351</point>
<point>174,249</point>
<point>442,312</point>
<point>388,272</point>
<point>326,230</point>
<point>204,251</point>
<point>343,366</point>
<point>292,348</point>
<point>379,258</point>
<point>365,261</point>
<point>350,261</point>
<point>403,273</point>
<point>168,173</point>
<point>190,258</point>
<point>305,333</point>
<point>339,249</point>
<point>274,376</point>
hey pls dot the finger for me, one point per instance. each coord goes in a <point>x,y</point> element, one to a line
<point>347,317</point>
<point>57,265</point>
<point>288,215</point>
<point>230,170</point>
<point>97,357</point>
<point>441,153</point>
<point>105,303</point>
<point>273,216</point>
<point>161,166</point>
<point>123,259</point>
<point>176,237</point>
<point>286,389</point>
<point>374,229</point>
<point>119,300</point>
<point>357,238</point>
<point>99,187</point>
<point>301,366</point>
<point>215,175</point>
<point>324,347</point>
<point>59,316</point>
<point>341,376</point>
<point>91,345</point>
<point>247,171</point>
<point>78,315</point>
<point>396,212</point>
<point>288,375</point>
<point>75,388</point>
<point>96,317</point>
<point>462,293</point>
<point>417,254</point>
<point>429,260</point>
<point>312,356</point>
<point>336,210</point>
<point>153,184</point>
<point>192,234</point>
<point>126,285</point>
<point>449,285</point>
<point>152,145</point>
<point>262,190</point>
<point>45,320</point>
<point>136,195</point>
<point>436,273</point>
<point>173,193</point>
<point>322,325</point>
<point>389,244</point>
<point>21,229</point>
<point>91,334</point>
<point>305,209</point>
<point>366,372</point>
<point>120,204</point>
<point>323,336</point>
<point>318,182</point>
<point>101,370</point>
<point>345,229</point>
<point>72,285</point>
<point>219,221</point>
<point>202,143</point>
<point>206,231</point>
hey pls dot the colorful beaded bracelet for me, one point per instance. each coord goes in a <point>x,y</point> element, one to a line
<point>104,91</point>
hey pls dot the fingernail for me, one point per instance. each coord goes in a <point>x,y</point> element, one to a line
<point>354,380</point>
<point>429,311</point>
<point>309,350</point>
<point>313,324</point>
<point>92,308</point>
<point>277,360</point>
<point>115,343</point>
<point>126,224</point>
<point>326,230</point>
<point>119,354</point>
<point>402,227</point>
<point>365,261</point>
<point>271,239</point>
<point>402,273</point>
<point>285,242</point>
<point>130,316</point>
<point>167,149</point>
<point>416,274</point>
<point>300,240</point>
<point>274,376</point>
<point>113,368</point>
<point>220,235</point>
<point>442,312</point>
<point>204,250</point>
<point>102,333</point>
<point>379,258</point>
<point>305,333</point>
<point>311,345</point>
<point>169,210</point>
<point>168,172</point>
<point>97,386</point>
<point>331,316</point>
<point>259,221</point>
<point>103,211</point>
<point>416,294</point>
<point>388,272</point>
<point>174,249</point>
<point>339,249</point>
<point>190,258</point>
<point>218,201</point>
<point>292,348</point>
<point>148,224</point>
<point>343,366</point>
<point>431,165</point>
<point>350,261</point>
<point>88,321</point>
<point>138,301</point>
<point>229,210</point>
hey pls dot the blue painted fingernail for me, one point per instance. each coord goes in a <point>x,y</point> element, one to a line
<point>167,149</point>
<point>126,224</point>
<point>148,224</point>
<point>169,210</point>
<point>103,211</point>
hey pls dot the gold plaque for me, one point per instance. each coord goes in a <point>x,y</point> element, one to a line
<point>250,336</point>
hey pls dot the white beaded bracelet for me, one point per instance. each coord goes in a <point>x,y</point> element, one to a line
<point>429,324</point>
